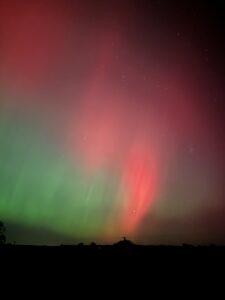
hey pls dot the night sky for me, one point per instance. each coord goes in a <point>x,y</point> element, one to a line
<point>112,121</point>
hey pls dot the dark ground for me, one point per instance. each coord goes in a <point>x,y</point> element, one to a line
<point>120,254</point>
<point>122,266</point>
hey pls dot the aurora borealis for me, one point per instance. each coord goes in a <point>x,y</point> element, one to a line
<point>112,121</point>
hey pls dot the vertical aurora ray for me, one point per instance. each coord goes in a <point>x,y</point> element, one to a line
<point>139,179</point>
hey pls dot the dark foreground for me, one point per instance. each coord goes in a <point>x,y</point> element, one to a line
<point>104,266</point>
<point>115,255</point>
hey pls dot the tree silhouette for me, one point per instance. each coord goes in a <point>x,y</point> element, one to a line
<point>2,233</point>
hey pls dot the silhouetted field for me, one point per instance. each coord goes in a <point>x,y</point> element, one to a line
<point>120,253</point>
